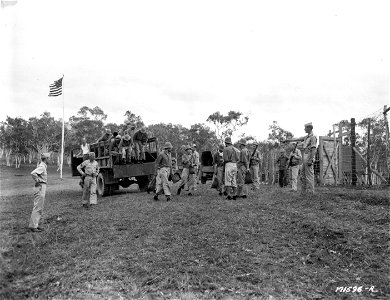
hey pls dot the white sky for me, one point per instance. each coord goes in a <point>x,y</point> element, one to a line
<point>180,61</point>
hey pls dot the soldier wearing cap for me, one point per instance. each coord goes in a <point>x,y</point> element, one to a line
<point>164,169</point>
<point>40,177</point>
<point>309,146</point>
<point>254,166</point>
<point>140,138</point>
<point>91,171</point>
<point>230,159</point>
<point>187,161</point>
<point>125,148</point>
<point>242,169</point>
<point>218,168</point>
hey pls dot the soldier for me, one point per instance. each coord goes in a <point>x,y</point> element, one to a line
<point>140,139</point>
<point>187,161</point>
<point>40,177</point>
<point>294,161</point>
<point>230,159</point>
<point>242,169</point>
<point>218,168</point>
<point>309,153</point>
<point>125,148</point>
<point>91,171</point>
<point>106,136</point>
<point>282,163</point>
<point>84,148</point>
<point>254,166</point>
<point>164,169</point>
<point>196,164</point>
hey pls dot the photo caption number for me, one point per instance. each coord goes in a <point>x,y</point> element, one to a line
<point>355,289</point>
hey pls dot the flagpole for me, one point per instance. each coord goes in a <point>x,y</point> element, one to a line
<point>63,127</point>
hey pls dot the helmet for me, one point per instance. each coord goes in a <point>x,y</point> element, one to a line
<point>228,140</point>
<point>168,145</point>
<point>243,142</point>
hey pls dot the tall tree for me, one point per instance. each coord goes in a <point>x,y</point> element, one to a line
<point>278,134</point>
<point>131,117</point>
<point>226,125</point>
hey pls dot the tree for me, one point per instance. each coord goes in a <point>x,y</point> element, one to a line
<point>226,125</point>
<point>177,135</point>
<point>278,134</point>
<point>203,136</point>
<point>131,117</point>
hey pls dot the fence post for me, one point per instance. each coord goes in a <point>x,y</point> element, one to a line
<point>353,155</point>
<point>320,154</point>
<point>340,167</point>
<point>368,152</point>
<point>385,110</point>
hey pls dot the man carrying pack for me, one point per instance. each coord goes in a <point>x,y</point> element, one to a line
<point>254,166</point>
<point>309,146</point>
<point>218,168</point>
<point>230,159</point>
<point>242,170</point>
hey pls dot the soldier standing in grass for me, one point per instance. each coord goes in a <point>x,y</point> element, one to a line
<point>282,162</point>
<point>295,159</point>
<point>40,177</point>
<point>91,171</point>
<point>164,169</point>
<point>254,166</point>
<point>218,168</point>
<point>242,170</point>
<point>230,159</point>
<point>195,155</point>
<point>187,161</point>
<point>309,153</point>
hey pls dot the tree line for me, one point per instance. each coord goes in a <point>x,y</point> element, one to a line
<point>22,140</point>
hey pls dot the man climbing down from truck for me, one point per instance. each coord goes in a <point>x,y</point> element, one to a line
<point>140,138</point>
<point>164,169</point>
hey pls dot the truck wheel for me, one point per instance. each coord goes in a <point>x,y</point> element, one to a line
<point>143,182</point>
<point>102,189</point>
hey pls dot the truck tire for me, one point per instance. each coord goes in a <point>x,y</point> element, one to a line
<point>102,189</point>
<point>143,182</point>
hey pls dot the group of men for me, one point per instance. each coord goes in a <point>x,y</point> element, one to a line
<point>129,142</point>
<point>231,168</point>
<point>237,168</point>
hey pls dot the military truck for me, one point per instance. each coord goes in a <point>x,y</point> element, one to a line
<point>113,173</point>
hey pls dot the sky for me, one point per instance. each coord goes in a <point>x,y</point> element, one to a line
<point>178,62</point>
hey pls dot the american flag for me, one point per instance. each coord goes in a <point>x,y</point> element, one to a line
<point>56,88</point>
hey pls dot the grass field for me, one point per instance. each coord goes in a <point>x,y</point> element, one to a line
<point>273,245</point>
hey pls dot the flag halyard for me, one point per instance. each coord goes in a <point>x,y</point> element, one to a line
<point>56,88</point>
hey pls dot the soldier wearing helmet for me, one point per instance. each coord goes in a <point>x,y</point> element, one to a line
<point>164,169</point>
<point>187,178</point>
<point>140,138</point>
<point>218,168</point>
<point>230,159</point>
<point>242,169</point>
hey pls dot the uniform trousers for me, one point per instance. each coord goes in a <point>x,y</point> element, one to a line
<point>162,184</point>
<point>39,201</point>
<point>255,176</point>
<point>242,188</point>
<point>89,190</point>
<point>139,150</point>
<point>307,176</point>
<point>294,177</point>
<point>187,179</point>
<point>220,179</point>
